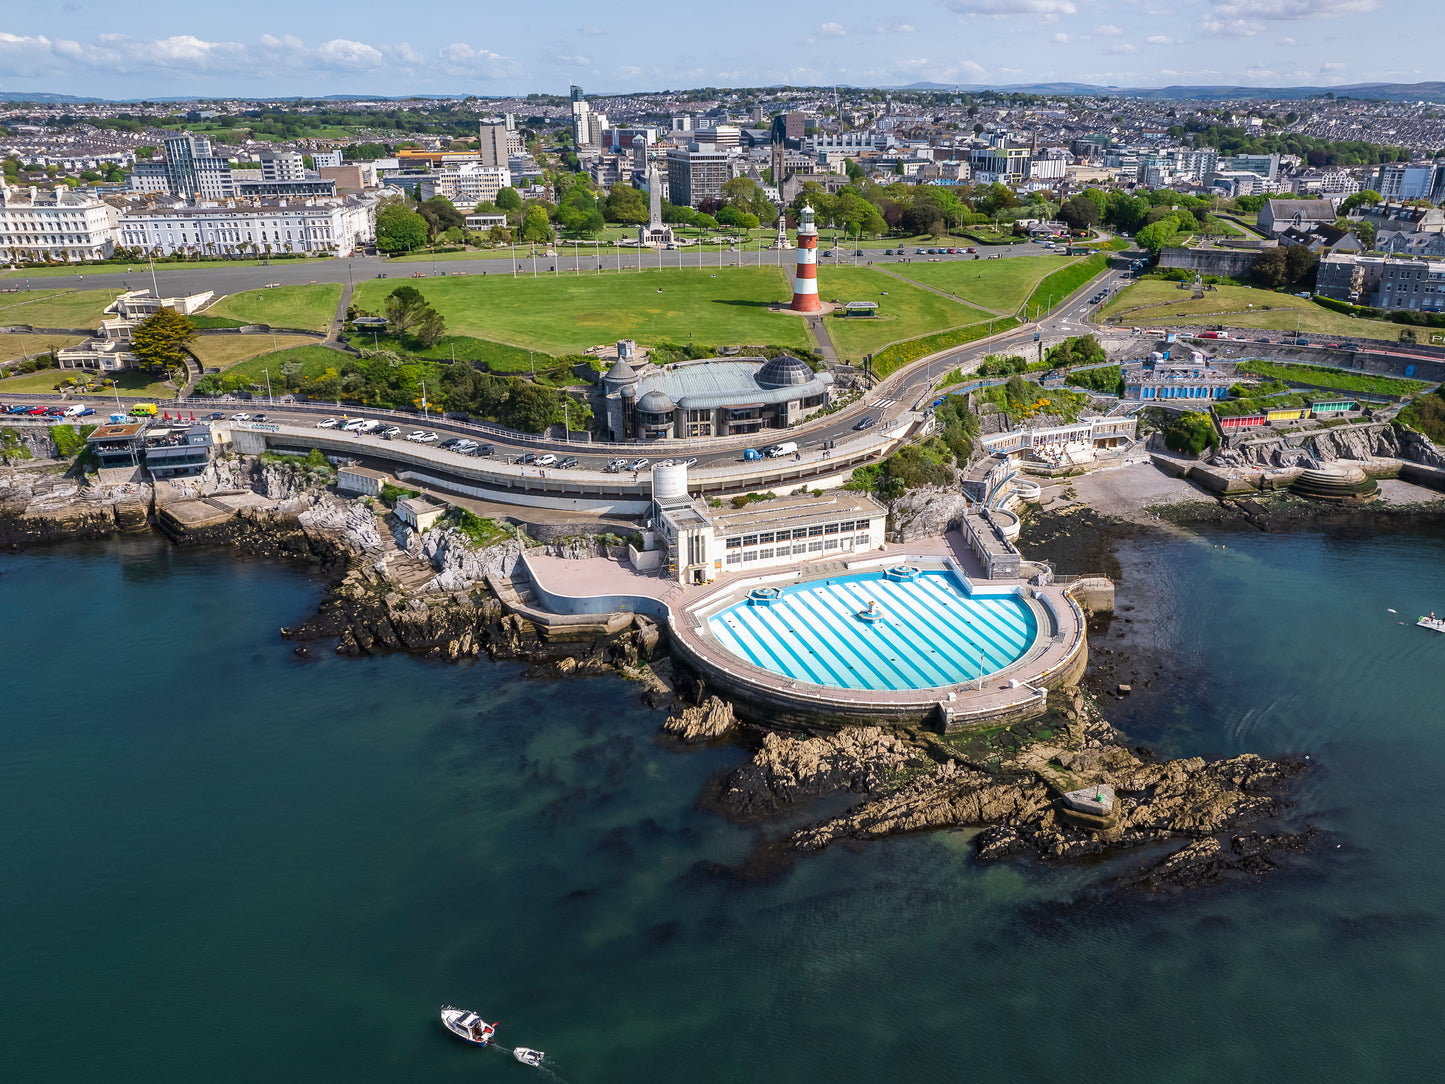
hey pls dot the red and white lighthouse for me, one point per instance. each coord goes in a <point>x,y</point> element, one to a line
<point>805,281</point>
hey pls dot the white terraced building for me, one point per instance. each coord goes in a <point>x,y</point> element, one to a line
<point>223,229</point>
<point>61,224</point>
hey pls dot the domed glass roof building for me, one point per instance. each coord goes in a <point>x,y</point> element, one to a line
<point>713,397</point>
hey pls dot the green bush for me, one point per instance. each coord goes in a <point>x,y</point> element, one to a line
<point>1108,379</point>
<point>70,439</point>
<point>1426,413</point>
<point>393,494</point>
<point>1321,376</point>
<point>1191,433</point>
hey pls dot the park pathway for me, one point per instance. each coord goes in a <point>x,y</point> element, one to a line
<point>823,339</point>
<point>339,320</point>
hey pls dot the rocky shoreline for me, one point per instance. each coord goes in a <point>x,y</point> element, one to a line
<point>437,595</point>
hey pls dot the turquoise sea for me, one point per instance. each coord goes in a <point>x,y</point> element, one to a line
<point>222,863</point>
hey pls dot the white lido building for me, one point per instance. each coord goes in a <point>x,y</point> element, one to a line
<point>61,224</point>
<point>233,228</point>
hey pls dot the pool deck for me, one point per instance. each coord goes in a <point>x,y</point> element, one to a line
<point>615,583</point>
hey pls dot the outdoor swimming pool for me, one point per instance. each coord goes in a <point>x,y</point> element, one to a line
<point>924,632</point>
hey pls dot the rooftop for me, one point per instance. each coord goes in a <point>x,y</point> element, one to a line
<point>792,511</point>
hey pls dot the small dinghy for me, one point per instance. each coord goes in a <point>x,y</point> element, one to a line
<point>528,1056</point>
<point>468,1025</point>
<point>1437,624</point>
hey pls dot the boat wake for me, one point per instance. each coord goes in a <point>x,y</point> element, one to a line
<point>546,1066</point>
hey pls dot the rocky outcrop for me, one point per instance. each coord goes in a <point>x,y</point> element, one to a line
<point>700,723</point>
<point>44,504</point>
<point>1349,442</point>
<point>788,771</point>
<point>925,512</point>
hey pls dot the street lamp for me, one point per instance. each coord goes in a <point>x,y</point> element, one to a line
<point>269,398</point>
<point>423,399</point>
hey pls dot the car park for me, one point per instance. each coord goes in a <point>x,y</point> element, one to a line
<point>567,463</point>
<point>867,422</point>
<point>548,460</point>
<point>324,423</point>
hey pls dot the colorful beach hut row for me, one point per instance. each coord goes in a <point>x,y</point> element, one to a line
<point>1316,408</point>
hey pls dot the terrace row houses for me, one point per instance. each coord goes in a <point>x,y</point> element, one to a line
<point>61,224</point>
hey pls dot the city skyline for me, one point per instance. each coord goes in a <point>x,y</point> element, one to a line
<point>277,50</point>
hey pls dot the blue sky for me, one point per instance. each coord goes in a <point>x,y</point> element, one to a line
<point>161,47</point>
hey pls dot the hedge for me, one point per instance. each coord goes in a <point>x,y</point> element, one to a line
<point>894,357</point>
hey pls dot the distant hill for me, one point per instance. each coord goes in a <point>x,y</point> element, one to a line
<point>1394,92</point>
<point>39,96</point>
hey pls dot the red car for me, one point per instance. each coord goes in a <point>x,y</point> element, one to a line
<point>36,410</point>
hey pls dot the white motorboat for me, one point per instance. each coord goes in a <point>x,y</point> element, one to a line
<point>468,1025</point>
<point>528,1056</point>
<point>1432,622</point>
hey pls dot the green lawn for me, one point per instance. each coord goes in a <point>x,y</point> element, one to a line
<point>313,361</point>
<point>563,314</point>
<point>310,306</point>
<point>28,344</point>
<point>1000,285</point>
<point>1063,282</point>
<point>143,267</point>
<point>45,380</point>
<point>1160,303</point>
<point>223,351</point>
<point>905,311</point>
<point>56,308</point>
<point>1321,376</point>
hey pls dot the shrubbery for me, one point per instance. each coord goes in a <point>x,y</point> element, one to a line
<point>1191,433</point>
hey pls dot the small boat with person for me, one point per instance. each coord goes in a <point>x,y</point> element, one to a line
<point>527,1056</point>
<point>1432,622</point>
<point>468,1025</point>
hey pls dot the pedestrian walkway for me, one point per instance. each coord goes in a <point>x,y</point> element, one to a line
<point>338,322</point>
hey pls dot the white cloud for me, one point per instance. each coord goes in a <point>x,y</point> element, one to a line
<point>895,25</point>
<point>832,30</point>
<point>1109,31</point>
<point>1332,66</point>
<point>1160,39</point>
<point>120,54</point>
<point>1001,8</point>
<point>1062,39</point>
<point>1124,49</point>
<point>1232,28</point>
<point>1287,41</point>
<point>591,31</point>
<point>1245,18</point>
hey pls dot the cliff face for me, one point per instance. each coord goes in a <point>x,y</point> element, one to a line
<point>1351,442</point>
<point>43,504</point>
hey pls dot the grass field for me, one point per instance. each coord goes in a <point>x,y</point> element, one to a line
<point>14,347</point>
<point>224,351</point>
<point>314,360</point>
<point>116,267</point>
<point>1063,282</point>
<point>305,306</point>
<point>1000,285</point>
<point>1159,303</point>
<point>56,308</point>
<point>1321,376</point>
<point>905,311</point>
<point>564,314</point>
<point>46,379</point>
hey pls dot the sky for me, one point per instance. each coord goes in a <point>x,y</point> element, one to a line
<point>162,48</point>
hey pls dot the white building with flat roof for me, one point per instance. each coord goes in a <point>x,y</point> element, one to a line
<point>60,224</point>
<point>338,226</point>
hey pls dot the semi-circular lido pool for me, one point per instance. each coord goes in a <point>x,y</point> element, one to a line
<point>923,631</point>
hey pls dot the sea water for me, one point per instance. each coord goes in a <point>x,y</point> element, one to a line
<point>221,862</point>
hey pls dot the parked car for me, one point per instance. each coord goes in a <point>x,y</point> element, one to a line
<point>463,446</point>
<point>970,250</point>
<point>527,458</point>
<point>919,252</point>
<point>240,416</point>
<point>391,432</point>
<point>867,422</point>
<point>355,425</point>
<point>548,460</point>
<point>78,411</point>
<point>450,443</point>
<point>688,462</point>
<point>888,252</point>
<point>787,447</point>
<point>426,438</point>
<point>54,412</point>
<point>415,435</point>
<point>615,465</point>
<point>324,423</point>
<point>259,418</point>
<point>568,463</point>
<point>479,450</point>
<point>638,464</point>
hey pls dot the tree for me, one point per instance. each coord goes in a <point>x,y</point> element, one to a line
<point>1080,213</point>
<point>398,228</point>
<point>536,226</point>
<point>508,199</point>
<point>441,215</point>
<point>1157,234</point>
<point>160,341</point>
<point>407,311</point>
<point>1270,270</point>
<point>625,204</point>
<point>1366,197</point>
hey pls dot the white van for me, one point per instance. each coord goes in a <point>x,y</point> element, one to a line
<point>355,425</point>
<point>74,410</point>
<point>788,447</point>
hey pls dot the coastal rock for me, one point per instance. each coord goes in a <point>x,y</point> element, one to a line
<point>458,563</point>
<point>787,771</point>
<point>703,722</point>
<point>925,512</point>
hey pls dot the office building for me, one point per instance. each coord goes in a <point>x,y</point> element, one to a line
<point>695,175</point>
